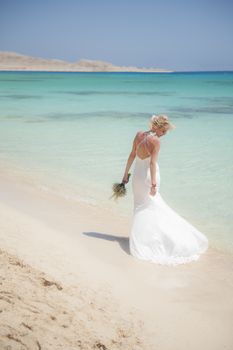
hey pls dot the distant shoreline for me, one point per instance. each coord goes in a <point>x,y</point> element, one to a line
<point>74,71</point>
<point>114,72</point>
<point>13,61</point>
<point>16,62</point>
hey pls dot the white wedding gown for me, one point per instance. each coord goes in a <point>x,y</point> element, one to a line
<point>158,234</point>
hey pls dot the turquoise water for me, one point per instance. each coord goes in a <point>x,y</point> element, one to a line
<point>71,133</point>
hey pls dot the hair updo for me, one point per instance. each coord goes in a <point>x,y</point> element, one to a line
<point>161,121</point>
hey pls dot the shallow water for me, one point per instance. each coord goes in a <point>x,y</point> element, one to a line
<point>72,132</point>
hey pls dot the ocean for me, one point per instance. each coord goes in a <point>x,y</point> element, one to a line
<point>71,134</point>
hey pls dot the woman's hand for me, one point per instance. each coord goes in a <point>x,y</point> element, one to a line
<point>152,191</point>
<point>125,179</point>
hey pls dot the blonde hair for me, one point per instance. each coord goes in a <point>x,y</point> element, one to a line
<point>161,120</point>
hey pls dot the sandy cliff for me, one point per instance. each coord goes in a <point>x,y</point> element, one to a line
<point>16,61</point>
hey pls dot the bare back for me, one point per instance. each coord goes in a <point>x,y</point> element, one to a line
<point>143,145</point>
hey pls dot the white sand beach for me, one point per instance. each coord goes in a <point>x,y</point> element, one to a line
<point>82,85</point>
<point>69,282</point>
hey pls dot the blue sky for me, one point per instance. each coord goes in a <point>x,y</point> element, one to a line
<point>180,35</point>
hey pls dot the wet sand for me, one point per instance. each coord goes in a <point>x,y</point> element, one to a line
<point>69,281</point>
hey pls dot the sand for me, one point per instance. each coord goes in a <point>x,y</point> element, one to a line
<point>13,61</point>
<point>38,312</point>
<point>68,281</point>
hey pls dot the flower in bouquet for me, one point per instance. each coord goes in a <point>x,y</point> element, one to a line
<point>119,189</point>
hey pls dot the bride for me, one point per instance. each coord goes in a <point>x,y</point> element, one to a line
<point>158,234</point>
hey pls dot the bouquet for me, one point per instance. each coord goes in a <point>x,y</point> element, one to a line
<point>119,189</point>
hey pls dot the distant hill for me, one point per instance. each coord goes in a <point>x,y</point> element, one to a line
<point>14,61</point>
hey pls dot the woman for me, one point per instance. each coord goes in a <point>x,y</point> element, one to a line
<point>158,234</point>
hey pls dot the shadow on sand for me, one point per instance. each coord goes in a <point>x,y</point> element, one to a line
<point>123,241</point>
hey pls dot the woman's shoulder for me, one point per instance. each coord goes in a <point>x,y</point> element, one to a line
<point>139,135</point>
<point>154,139</point>
<point>140,132</point>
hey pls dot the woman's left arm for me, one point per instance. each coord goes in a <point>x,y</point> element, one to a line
<point>130,159</point>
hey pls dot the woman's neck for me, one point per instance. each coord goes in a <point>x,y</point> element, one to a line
<point>151,131</point>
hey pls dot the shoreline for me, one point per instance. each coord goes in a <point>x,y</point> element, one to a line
<point>82,71</point>
<point>12,173</point>
<point>123,71</point>
<point>14,61</point>
<point>77,244</point>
